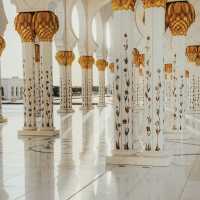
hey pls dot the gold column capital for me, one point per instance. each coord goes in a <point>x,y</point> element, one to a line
<point>138,59</point>
<point>112,67</point>
<point>23,25</point>
<point>187,74</point>
<point>191,53</point>
<point>37,53</point>
<point>101,64</point>
<point>179,17</point>
<point>123,5</point>
<point>45,24</point>
<point>197,59</point>
<point>86,62</point>
<point>2,45</point>
<point>168,68</point>
<point>154,3</point>
<point>65,57</point>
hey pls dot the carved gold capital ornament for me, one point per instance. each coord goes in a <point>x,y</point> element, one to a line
<point>2,45</point>
<point>23,25</point>
<point>187,74</point>
<point>86,62</point>
<point>168,68</point>
<point>191,53</point>
<point>179,17</point>
<point>118,5</point>
<point>45,24</point>
<point>197,60</point>
<point>138,59</point>
<point>65,57</point>
<point>154,3</point>
<point>112,67</point>
<point>101,64</point>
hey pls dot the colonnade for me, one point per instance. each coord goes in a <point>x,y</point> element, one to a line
<point>142,81</point>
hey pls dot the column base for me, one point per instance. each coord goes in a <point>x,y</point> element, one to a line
<point>178,136</point>
<point>38,132</point>
<point>86,109</point>
<point>101,106</point>
<point>3,120</point>
<point>154,159</point>
<point>66,111</point>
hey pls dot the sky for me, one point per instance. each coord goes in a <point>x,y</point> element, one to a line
<point>12,55</point>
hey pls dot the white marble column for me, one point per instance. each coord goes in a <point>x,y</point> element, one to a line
<point>180,64</point>
<point>101,65</point>
<point>192,90</point>
<point>197,89</point>
<point>154,77</point>
<point>2,46</point>
<point>168,87</point>
<point>111,81</point>
<point>65,59</point>
<point>37,80</point>
<point>86,62</point>
<point>185,15</point>
<point>122,20</point>
<point>41,20</point>
<point>23,24</point>
<point>187,76</point>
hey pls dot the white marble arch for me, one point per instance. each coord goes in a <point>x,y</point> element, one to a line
<point>86,43</point>
<point>102,18</point>
<point>3,19</point>
<point>65,38</point>
<point>34,5</point>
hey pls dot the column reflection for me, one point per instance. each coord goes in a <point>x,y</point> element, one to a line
<point>3,193</point>
<point>39,168</point>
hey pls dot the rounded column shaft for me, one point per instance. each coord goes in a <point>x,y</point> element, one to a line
<point>154,78</point>
<point>23,25</point>
<point>46,85</point>
<point>101,65</point>
<point>86,63</point>
<point>29,85</point>
<point>37,80</point>
<point>65,59</point>
<point>102,88</point>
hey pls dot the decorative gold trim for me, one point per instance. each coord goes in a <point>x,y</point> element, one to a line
<point>23,25</point>
<point>112,67</point>
<point>179,17</point>
<point>86,62</point>
<point>168,68</point>
<point>138,59</point>
<point>141,71</point>
<point>154,3</point>
<point>197,60</point>
<point>101,64</point>
<point>191,53</point>
<point>187,74</point>
<point>123,5</point>
<point>2,45</point>
<point>45,24</point>
<point>37,53</point>
<point>65,57</point>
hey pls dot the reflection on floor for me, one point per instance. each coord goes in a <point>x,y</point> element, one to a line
<point>73,166</point>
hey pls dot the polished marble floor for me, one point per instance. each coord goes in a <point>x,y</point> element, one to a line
<point>72,167</point>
